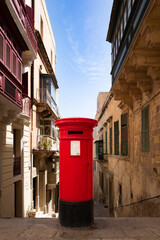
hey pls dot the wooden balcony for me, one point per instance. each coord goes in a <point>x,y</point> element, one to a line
<point>138,76</point>
<point>24,23</point>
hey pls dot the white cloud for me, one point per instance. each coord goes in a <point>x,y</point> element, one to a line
<point>92,64</point>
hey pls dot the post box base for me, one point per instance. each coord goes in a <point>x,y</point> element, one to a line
<point>76,214</point>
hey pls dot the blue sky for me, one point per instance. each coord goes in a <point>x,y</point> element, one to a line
<point>83,55</point>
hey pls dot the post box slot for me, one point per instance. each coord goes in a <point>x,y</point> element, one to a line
<point>75,132</point>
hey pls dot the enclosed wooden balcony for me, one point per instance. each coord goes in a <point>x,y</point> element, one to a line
<point>22,16</point>
<point>138,75</point>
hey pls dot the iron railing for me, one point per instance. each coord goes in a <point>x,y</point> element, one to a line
<point>47,143</point>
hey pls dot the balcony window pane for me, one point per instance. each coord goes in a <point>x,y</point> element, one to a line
<point>129,7</point>
<point>125,18</point>
<point>124,135</point>
<point>10,89</point>
<point>47,130</point>
<point>19,70</point>
<point>119,36</point>
<point>116,138</point>
<point>110,140</point>
<point>121,28</point>
<point>7,55</point>
<point>1,47</point>
<point>47,122</point>
<point>14,64</point>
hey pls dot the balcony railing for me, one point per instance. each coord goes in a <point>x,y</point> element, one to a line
<point>43,96</point>
<point>47,143</point>
<point>26,105</point>
<point>22,13</point>
<point>16,166</point>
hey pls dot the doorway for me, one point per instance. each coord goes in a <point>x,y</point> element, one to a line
<point>18,198</point>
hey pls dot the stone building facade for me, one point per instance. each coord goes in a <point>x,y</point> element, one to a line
<point>130,116</point>
<point>44,136</point>
<point>29,161</point>
<point>18,48</point>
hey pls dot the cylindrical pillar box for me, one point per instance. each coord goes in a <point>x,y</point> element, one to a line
<point>76,171</point>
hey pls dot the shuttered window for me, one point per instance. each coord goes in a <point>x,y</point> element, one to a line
<point>99,149</point>
<point>1,47</point>
<point>145,129</point>
<point>124,135</point>
<point>19,70</point>
<point>7,55</point>
<point>14,64</point>
<point>110,140</point>
<point>116,138</point>
<point>106,143</point>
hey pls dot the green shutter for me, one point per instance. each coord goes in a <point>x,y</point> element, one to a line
<point>106,143</point>
<point>116,138</point>
<point>110,140</point>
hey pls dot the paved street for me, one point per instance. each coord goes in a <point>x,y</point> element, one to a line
<point>105,228</point>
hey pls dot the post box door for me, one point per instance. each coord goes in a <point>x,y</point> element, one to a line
<point>76,182</point>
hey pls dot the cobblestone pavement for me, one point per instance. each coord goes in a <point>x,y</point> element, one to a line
<point>104,228</point>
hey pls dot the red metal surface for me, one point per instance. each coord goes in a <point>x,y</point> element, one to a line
<point>76,171</point>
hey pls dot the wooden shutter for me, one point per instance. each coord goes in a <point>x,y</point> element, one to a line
<point>116,137</point>
<point>1,47</point>
<point>106,143</point>
<point>110,140</point>
<point>124,134</point>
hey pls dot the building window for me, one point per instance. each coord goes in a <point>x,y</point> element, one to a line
<point>7,55</point>
<point>14,64</point>
<point>124,135</point>
<point>129,7</point>
<point>121,28</point>
<point>125,17</point>
<point>145,129</point>
<point>110,140</point>
<point>116,138</point>
<point>41,27</point>
<point>106,142</point>
<point>120,194</point>
<point>19,70</point>
<point>99,149</point>
<point>1,47</point>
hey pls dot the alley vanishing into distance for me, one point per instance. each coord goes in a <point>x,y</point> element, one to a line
<point>104,228</point>
<point>79,178</point>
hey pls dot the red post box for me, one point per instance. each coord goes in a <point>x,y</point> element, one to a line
<point>76,171</point>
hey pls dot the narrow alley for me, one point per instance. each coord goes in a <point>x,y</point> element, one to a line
<point>104,228</point>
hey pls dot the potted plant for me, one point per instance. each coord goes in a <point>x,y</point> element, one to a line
<point>31,212</point>
<point>46,145</point>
